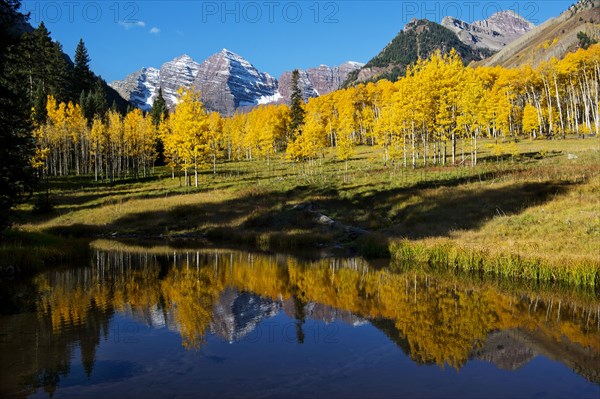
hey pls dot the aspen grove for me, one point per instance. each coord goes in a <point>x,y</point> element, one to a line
<point>435,115</point>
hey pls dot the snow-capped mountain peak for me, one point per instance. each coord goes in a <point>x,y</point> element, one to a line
<point>227,81</point>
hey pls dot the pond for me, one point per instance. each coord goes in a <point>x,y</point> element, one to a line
<point>158,322</point>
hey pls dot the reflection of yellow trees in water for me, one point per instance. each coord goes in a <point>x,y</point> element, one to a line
<point>442,320</point>
<point>190,293</point>
<point>113,283</point>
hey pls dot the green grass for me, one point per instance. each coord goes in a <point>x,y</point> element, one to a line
<point>29,252</point>
<point>532,216</point>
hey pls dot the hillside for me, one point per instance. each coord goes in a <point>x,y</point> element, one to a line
<point>419,39</point>
<point>554,38</point>
<point>493,33</point>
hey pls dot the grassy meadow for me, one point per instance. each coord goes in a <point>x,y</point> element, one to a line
<point>534,214</point>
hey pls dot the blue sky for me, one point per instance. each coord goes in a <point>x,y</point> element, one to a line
<point>274,35</point>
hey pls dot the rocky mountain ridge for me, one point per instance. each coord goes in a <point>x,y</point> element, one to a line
<point>554,38</point>
<point>494,33</point>
<point>227,82</point>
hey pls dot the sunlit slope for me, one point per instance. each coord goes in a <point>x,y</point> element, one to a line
<point>554,38</point>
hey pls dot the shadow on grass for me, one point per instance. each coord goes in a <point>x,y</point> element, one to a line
<point>416,213</point>
<point>181,218</point>
<point>470,209</point>
<point>413,211</point>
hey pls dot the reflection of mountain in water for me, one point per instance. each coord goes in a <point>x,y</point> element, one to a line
<point>433,321</point>
<point>235,315</point>
<point>512,349</point>
<point>504,350</point>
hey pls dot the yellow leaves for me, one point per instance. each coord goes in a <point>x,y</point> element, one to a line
<point>76,123</point>
<point>139,135</point>
<point>187,138</point>
<point>265,128</point>
<point>38,161</point>
<point>507,148</point>
<point>347,126</point>
<point>530,119</point>
<point>312,141</point>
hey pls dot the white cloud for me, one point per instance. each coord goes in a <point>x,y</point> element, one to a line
<point>155,30</point>
<point>132,24</point>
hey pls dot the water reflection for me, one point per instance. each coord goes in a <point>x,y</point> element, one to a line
<point>228,294</point>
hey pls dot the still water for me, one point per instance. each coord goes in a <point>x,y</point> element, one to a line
<point>163,322</point>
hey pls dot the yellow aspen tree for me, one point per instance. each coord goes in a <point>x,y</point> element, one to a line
<point>77,127</point>
<point>170,144</point>
<point>471,113</point>
<point>530,121</point>
<point>215,137</point>
<point>149,138</point>
<point>189,122</point>
<point>57,136</point>
<point>97,144</point>
<point>115,151</point>
<point>345,135</point>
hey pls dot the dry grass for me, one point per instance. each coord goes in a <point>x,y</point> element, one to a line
<point>542,204</point>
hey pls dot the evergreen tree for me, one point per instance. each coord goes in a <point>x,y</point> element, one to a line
<point>45,67</point>
<point>159,113</point>
<point>16,175</point>
<point>100,105</point>
<point>83,78</point>
<point>585,41</point>
<point>296,108</point>
<point>39,106</point>
<point>159,109</point>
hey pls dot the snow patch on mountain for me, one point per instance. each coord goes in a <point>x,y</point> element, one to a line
<point>226,82</point>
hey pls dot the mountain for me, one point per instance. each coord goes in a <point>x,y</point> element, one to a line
<point>318,81</point>
<point>139,88</point>
<point>419,39</point>
<point>227,82</point>
<point>554,38</point>
<point>493,33</point>
<point>181,71</point>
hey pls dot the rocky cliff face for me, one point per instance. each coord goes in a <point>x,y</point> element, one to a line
<point>318,81</point>
<point>493,33</point>
<point>177,73</point>
<point>227,82</point>
<point>419,39</point>
<point>139,88</point>
<point>554,38</point>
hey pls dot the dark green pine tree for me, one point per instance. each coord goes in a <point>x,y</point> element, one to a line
<point>83,78</point>
<point>93,103</point>
<point>159,108</point>
<point>39,106</point>
<point>86,104</point>
<point>296,107</point>
<point>585,41</point>
<point>159,112</point>
<point>45,67</point>
<point>59,74</point>
<point>16,175</point>
<point>98,99</point>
